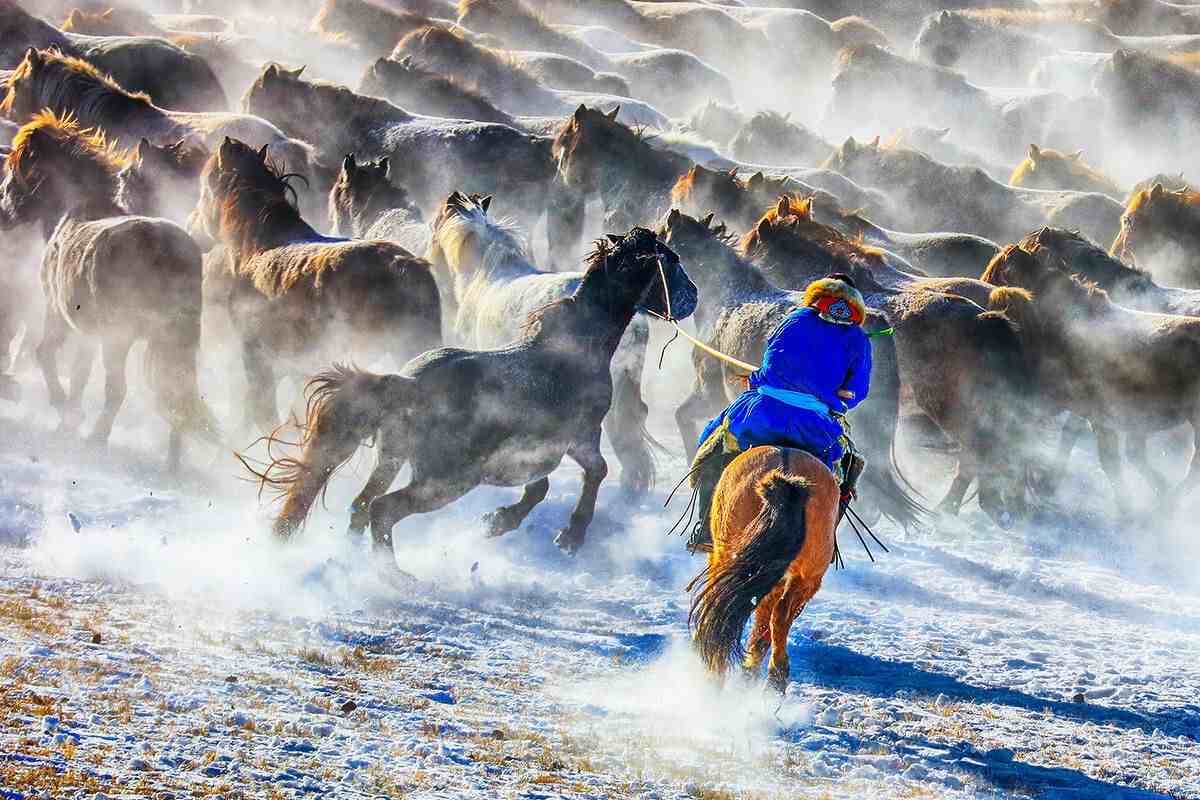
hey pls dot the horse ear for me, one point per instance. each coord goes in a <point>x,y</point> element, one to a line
<point>849,146</point>
<point>271,72</point>
<point>707,220</point>
<point>673,217</point>
<point>764,228</point>
<point>143,147</point>
<point>1076,156</point>
<point>385,166</point>
<point>614,238</point>
<point>486,203</point>
<point>874,144</point>
<point>756,180</point>
<point>612,115</point>
<point>33,57</point>
<point>1157,191</point>
<point>349,164</point>
<point>296,73</point>
<point>262,153</point>
<point>1034,152</point>
<point>404,62</point>
<point>783,207</point>
<point>719,230</point>
<point>580,112</point>
<point>944,17</point>
<point>107,14</point>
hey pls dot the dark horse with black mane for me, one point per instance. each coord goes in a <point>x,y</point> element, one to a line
<point>502,417</point>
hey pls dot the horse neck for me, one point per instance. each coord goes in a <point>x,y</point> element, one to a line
<point>653,174</point>
<point>725,279</point>
<point>255,237</point>
<point>498,263</point>
<point>598,316</point>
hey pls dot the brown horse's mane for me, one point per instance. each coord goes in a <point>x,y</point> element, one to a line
<point>793,214</point>
<point>79,83</point>
<point>457,48</point>
<point>1042,274</point>
<point>97,160</point>
<point>1148,199</point>
<point>1073,164</point>
<point>255,210</point>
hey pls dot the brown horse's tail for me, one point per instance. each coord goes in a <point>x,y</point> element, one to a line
<point>345,407</point>
<point>171,357</point>
<point>773,540</point>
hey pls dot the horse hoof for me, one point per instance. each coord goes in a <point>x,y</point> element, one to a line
<point>777,681</point>
<point>496,524</point>
<point>569,541</point>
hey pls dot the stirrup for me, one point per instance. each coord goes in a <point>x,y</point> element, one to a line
<point>697,541</point>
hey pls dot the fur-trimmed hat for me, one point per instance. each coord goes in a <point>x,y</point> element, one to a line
<point>837,300</point>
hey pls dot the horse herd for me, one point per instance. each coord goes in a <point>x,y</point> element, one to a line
<point>414,219</point>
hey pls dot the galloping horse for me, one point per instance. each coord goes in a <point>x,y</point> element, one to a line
<point>774,518</point>
<point>502,417</point>
<point>109,278</point>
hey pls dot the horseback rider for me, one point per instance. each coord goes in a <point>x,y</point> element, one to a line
<point>816,367</point>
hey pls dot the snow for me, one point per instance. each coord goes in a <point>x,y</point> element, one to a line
<point>156,640</point>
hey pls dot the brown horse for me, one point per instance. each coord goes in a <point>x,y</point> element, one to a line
<point>1044,168</point>
<point>503,417</point>
<point>162,180</point>
<point>1126,285</point>
<point>297,295</point>
<point>1118,369</point>
<point>1160,231</point>
<point>172,77</point>
<point>774,516</point>
<point>108,278</point>
<point>424,91</point>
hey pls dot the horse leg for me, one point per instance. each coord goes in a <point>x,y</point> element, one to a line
<point>54,334</point>
<point>781,622</point>
<point>387,467</point>
<point>509,518</point>
<point>759,641</point>
<point>788,610</point>
<point>963,475</point>
<point>626,425</point>
<point>1109,445</point>
<point>588,456</point>
<point>566,212</point>
<point>419,497</point>
<point>260,387</point>
<point>114,351</point>
<point>686,415</point>
<point>1135,451</point>
<point>81,371</point>
<point>1074,428</point>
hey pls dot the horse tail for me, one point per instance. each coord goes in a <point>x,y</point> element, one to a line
<point>171,357</point>
<point>345,407</point>
<point>876,433</point>
<point>773,539</point>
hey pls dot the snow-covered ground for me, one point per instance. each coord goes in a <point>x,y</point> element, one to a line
<point>155,642</point>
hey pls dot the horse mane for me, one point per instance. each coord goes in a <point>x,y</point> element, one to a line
<point>382,21</point>
<point>97,160</point>
<point>254,204</point>
<point>793,215</point>
<point>452,48</point>
<point>71,82</point>
<point>1148,198</point>
<point>501,239</point>
<point>1056,239</point>
<point>1071,163</point>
